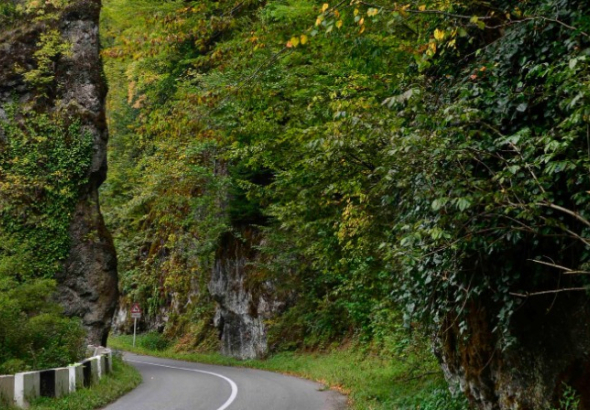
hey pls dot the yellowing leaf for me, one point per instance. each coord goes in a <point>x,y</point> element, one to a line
<point>362,30</point>
<point>361,21</point>
<point>439,34</point>
<point>294,41</point>
<point>372,12</point>
<point>422,7</point>
<point>356,12</point>
<point>303,39</point>
<point>339,24</point>
<point>319,21</point>
<point>325,7</point>
<point>431,48</point>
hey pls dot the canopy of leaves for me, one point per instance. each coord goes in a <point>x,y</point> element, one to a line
<point>418,156</point>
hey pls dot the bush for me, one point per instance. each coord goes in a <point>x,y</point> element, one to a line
<point>57,341</point>
<point>153,341</point>
<point>33,332</point>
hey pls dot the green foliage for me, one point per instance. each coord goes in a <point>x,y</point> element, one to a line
<point>43,164</point>
<point>570,398</point>
<point>33,333</point>
<point>491,174</point>
<point>154,341</point>
<point>51,47</point>
<point>8,12</point>
<point>435,400</point>
<point>13,12</point>
<point>56,340</point>
<point>166,183</point>
<point>419,160</point>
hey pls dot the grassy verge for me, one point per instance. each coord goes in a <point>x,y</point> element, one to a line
<point>372,382</point>
<point>123,379</point>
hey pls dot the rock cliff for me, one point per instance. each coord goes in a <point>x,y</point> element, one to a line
<point>243,302</point>
<point>74,89</point>
<point>549,354</point>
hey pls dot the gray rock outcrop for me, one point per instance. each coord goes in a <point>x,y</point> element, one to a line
<point>243,302</point>
<point>87,285</point>
<point>550,354</point>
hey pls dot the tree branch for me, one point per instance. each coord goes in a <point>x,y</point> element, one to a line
<point>567,271</point>
<point>480,18</point>
<point>548,292</point>
<point>433,12</point>
<point>566,211</point>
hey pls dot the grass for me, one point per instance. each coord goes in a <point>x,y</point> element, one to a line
<point>372,382</point>
<point>123,379</point>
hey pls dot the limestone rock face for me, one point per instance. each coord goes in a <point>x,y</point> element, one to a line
<point>551,351</point>
<point>243,303</point>
<point>87,285</point>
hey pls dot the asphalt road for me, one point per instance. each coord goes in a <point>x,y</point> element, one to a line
<point>177,385</point>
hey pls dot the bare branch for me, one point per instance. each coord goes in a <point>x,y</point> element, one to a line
<point>567,271</point>
<point>566,211</point>
<point>553,265</point>
<point>575,235</point>
<point>528,167</point>
<point>561,23</point>
<point>549,292</point>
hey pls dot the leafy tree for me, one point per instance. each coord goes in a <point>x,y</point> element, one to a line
<point>430,158</point>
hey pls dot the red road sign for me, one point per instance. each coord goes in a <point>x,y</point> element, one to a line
<point>135,308</point>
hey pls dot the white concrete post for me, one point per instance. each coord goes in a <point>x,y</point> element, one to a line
<point>27,386</point>
<point>72,378</point>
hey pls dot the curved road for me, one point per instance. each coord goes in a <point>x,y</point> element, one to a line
<point>177,385</point>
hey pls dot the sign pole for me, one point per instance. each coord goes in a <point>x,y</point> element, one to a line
<point>135,314</point>
<point>134,329</point>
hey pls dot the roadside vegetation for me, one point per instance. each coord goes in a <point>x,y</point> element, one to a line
<point>372,379</point>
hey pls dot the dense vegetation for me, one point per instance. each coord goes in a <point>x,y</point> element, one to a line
<point>425,162</point>
<point>381,149</point>
<point>414,169</point>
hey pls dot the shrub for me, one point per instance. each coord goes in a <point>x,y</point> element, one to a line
<point>57,340</point>
<point>153,341</point>
<point>33,332</point>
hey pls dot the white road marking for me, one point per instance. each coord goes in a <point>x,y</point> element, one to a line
<point>234,387</point>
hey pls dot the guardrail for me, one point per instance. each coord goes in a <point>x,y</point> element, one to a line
<point>21,388</point>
